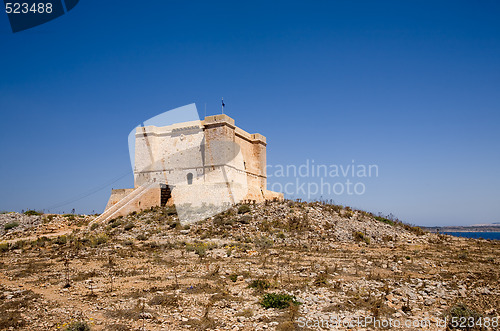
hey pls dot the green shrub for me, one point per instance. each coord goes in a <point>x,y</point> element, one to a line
<point>298,224</point>
<point>278,300</point>
<point>32,213</point>
<point>221,220</point>
<point>48,218</point>
<point>387,238</point>
<point>164,300</point>
<point>78,326</point>
<point>260,284</point>
<point>94,226</point>
<point>200,249</point>
<point>19,244</point>
<point>170,211</point>
<point>384,220</point>
<point>243,209</point>
<point>263,242</point>
<point>98,240</point>
<point>233,277</point>
<point>129,226</point>
<point>115,224</point>
<point>245,219</point>
<point>61,240</point>
<point>415,229</point>
<point>175,225</point>
<point>360,236</point>
<point>459,313</point>
<point>10,225</point>
<point>141,237</point>
<point>321,280</point>
<point>4,247</point>
<point>40,242</point>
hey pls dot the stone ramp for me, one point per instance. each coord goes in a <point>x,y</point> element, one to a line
<point>123,203</point>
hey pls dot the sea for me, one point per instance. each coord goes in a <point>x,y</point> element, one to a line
<point>476,235</point>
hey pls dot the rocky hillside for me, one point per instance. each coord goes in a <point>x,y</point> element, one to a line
<point>272,266</point>
<point>32,224</point>
<point>289,223</point>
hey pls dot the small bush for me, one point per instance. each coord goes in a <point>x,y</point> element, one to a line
<point>129,226</point>
<point>233,277</point>
<point>10,225</point>
<point>171,211</point>
<point>278,300</point>
<point>18,244</point>
<point>462,312</point>
<point>94,226</point>
<point>384,220</point>
<point>4,247</point>
<point>263,242</point>
<point>414,229</point>
<point>387,238</point>
<point>32,213</point>
<point>260,284</point>
<point>164,300</point>
<point>298,224</point>
<point>245,219</point>
<point>99,240</point>
<point>321,280</point>
<point>175,225</point>
<point>245,312</point>
<point>78,326</point>
<point>49,218</point>
<point>40,242</point>
<point>61,240</point>
<point>220,221</point>
<point>141,237</point>
<point>360,236</point>
<point>243,209</point>
<point>116,224</point>
<point>200,249</point>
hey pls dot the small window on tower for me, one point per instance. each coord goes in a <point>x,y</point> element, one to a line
<point>189,178</point>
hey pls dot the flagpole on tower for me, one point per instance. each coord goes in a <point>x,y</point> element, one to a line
<point>223,105</point>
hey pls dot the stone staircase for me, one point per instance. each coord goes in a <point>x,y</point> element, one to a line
<point>123,203</point>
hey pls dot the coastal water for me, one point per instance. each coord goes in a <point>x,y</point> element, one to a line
<point>484,235</point>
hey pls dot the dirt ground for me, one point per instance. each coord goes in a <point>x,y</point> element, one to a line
<point>148,272</point>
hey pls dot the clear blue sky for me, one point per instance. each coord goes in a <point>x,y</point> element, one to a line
<point>412,86</point>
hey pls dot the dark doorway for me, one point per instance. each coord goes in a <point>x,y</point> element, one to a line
<point>165,194</point>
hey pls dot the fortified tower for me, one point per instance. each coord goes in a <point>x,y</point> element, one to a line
<point>197,163</point>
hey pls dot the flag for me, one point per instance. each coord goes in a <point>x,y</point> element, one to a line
<point>223,104</point>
